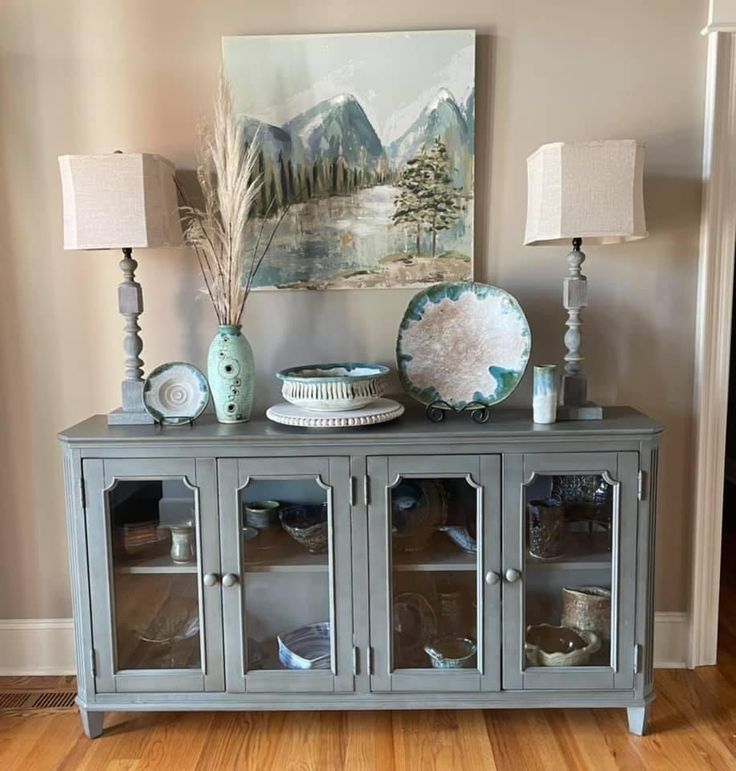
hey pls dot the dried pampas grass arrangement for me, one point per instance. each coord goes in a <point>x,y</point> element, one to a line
<point>219,233</point>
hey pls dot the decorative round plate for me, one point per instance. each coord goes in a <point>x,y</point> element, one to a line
<point>175,392</point>
<point>381,411</point>
<point>462,343</point>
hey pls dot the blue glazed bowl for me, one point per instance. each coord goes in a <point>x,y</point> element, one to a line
<point>307,525</point>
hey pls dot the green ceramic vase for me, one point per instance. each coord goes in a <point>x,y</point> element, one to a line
<point>231,374</point>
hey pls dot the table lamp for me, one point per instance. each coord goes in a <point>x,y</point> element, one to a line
<point>591,191</point>
<point>122,201</point>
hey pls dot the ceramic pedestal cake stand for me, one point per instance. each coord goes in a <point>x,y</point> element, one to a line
<point>381,411</point>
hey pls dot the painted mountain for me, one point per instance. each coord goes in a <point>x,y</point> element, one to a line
<point>441,119</point>
<point>338,128</point>
<point>333,149</point>
<point>377,183</point>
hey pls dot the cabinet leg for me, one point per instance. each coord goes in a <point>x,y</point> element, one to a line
<point>91,722</point>
<point>638,719</point>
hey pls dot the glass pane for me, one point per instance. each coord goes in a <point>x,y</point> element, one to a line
<point>155,575</point>
<point>287,569</point>
<point>434,574</point>
<point>568,575</point>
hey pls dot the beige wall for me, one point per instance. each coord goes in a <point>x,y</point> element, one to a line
<point>82,76</point>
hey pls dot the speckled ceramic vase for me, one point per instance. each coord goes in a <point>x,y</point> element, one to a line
<point>231,374</point>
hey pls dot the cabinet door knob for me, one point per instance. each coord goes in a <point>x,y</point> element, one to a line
<point>492,578</point>
<point>512,575</point>
<point>229,579</point>
<point>211,579</point>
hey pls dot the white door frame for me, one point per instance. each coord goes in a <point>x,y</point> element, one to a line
<point>713,333</point>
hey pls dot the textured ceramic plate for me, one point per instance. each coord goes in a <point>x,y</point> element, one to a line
<point>175,392</point>
<point>462,343</point>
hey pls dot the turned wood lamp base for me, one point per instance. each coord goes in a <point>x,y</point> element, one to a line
<point>574,403</point>
<point>130,305</point>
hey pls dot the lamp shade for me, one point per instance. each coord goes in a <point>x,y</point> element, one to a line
<point>588,190</point>
<point>119,200</point>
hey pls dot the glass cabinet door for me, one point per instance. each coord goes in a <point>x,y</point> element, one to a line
<point>434,548</point>
<point>153,547</point>
<point>569,577</point>
<point>286,564</point>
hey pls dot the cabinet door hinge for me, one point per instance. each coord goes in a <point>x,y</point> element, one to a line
<point>637,659</point>
<point>352,490</point>
<point>93,662</point>
<point>82,493</point>
<point>640,485</point>
<point>366,489</point>
<point>355,659</point>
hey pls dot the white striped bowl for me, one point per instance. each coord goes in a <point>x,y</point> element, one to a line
<point>333,387</point>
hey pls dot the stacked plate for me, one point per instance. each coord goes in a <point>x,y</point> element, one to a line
<point>336,395</point>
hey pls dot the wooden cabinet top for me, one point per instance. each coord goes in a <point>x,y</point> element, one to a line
<point>504,425</point>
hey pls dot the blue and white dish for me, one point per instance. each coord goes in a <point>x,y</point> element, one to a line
<point>460,535</point>
<point>307,647</point>
<point>175,393</point>
<point>462,343</point>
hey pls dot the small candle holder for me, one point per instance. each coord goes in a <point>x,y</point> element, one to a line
<point>182,542</point>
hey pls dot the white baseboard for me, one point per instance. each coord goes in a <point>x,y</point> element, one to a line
<point>37,646</point>
<point>45,646</point>
<point>671,638</point>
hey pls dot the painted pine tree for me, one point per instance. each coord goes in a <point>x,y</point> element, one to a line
<point>408,204</point>
<point>443,200</point>
<point>427,199</point>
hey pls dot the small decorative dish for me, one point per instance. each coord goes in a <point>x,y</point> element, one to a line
<point>415,623</point>
<point>451,652</point>
<point>462,344</point>
<point>559,646</point>
<point>262,514</point>
<point>307,525</point>
<point>335,387</point>
<point>307,647</point>
<point>249,533</point>
<point>175,393</point>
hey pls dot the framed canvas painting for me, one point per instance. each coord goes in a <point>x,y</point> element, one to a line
<point>368,139</point>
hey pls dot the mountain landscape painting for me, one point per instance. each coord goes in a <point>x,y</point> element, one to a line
<point>367,142</point>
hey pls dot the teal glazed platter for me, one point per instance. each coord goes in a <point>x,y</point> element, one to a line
<point>462,344</point>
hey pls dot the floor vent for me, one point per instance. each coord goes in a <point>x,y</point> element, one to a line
<point>30,700</point>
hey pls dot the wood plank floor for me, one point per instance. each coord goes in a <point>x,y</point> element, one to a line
<point>693,726</point>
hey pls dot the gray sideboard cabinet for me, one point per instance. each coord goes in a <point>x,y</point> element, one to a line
<point>444,544</point>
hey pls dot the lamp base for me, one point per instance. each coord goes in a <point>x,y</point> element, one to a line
<point>585,411</point>
<point>123,417</point>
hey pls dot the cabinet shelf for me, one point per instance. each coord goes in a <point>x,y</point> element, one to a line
<point>440,555</point>
<point>162,564</point>
<point>582,553</point>
<point>274,551</point>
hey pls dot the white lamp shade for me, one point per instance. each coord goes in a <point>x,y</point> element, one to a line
<point>119,200</point>
<point>590,190</point>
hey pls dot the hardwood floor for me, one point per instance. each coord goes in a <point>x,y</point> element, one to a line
<point>693,726</point>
